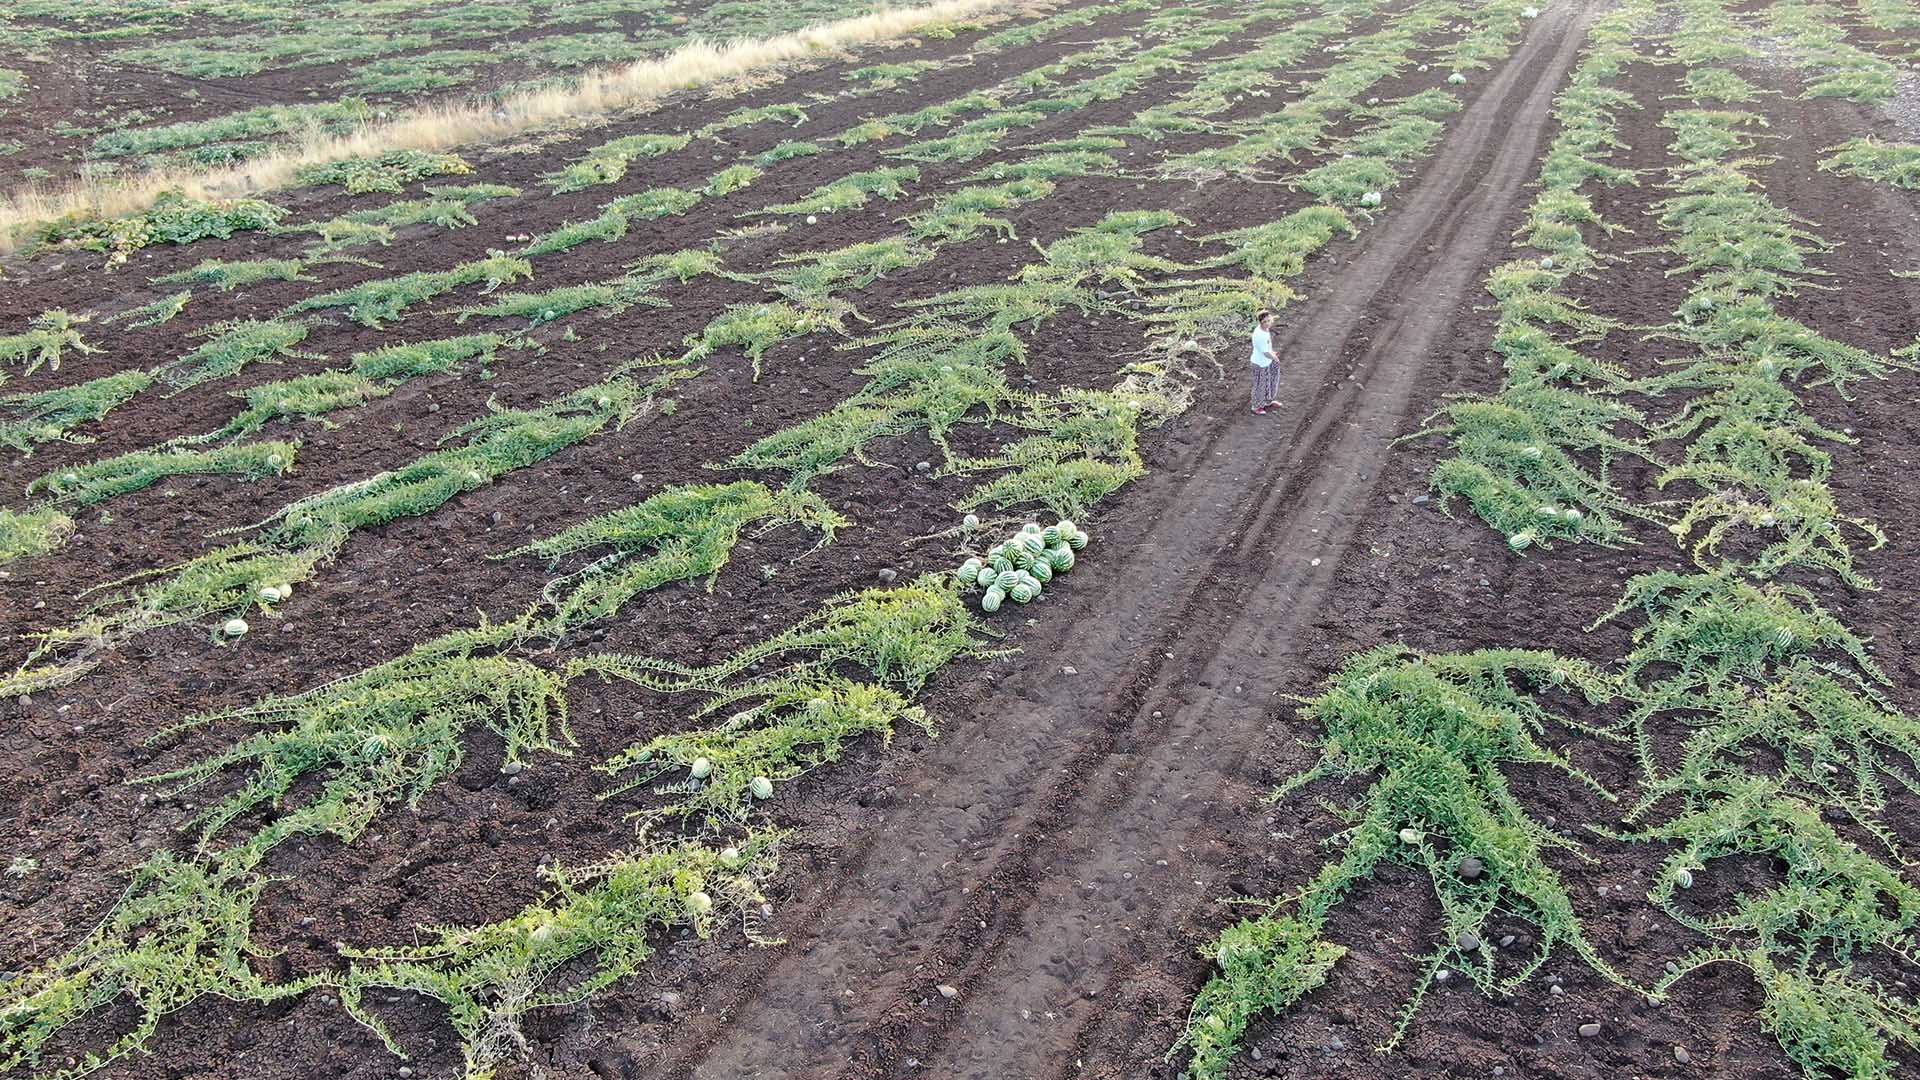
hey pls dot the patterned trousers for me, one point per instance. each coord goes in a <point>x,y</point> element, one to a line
<point>1266,384</point>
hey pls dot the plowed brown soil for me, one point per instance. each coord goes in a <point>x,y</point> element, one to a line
<point>1063,849</point>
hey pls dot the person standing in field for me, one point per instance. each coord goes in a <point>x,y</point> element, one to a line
<point>1266,366</point>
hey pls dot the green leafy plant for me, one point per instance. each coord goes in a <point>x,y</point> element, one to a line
<point>84,485</point>
<point>1432,735</point>
<point>54,332</point>
<point>174,218</point>
<point>851,192</point>
<point>180,932</point>
<point>232,275</point>
<point>31,533</point>
<point>377,737</point>
<point>1890,163</point>
<point>757,328</point>
<point>234,346</point>
<point>376,303</point>
<point>50,416</point>
<point>594,928</point>
<point>388,172</point>
<point>608,162</point>
<point>155,313</point>
<point>680,534</point>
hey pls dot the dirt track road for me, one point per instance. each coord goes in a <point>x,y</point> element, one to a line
<point>1035,859</point>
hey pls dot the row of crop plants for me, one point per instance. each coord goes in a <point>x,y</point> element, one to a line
<point>807,285</point>
<point>406,52</point>
<point>53,414</point>
<point>764,715</point>
<point>755,327</point>
<point>804,301</point>
<point>1733,661</point>
<point>182,220</point>
<point>49,415</point>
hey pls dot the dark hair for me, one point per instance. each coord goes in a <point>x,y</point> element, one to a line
<point>1265,314</point>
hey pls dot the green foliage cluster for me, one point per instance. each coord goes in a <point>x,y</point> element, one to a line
<point>155,313</point>
<point>54,332</point>
<point>375,303</point>
<point>810,280</point>
<point>84,485</point>
<point>851,191</point>
<point>595,927</point>
<point>449,207</point>
<point>233,346</point>
<point>181,931</point>
<point>1817,34</point>
<point>1890,163</point>
<point>680,534</point>
<point>371,375</point>
<point>173,218</point>
<point>787,113</point>
<point>421,72</point>
<point>377,737</point>
<point>500,442</point>
<point>608,162</point>
<point>389,172</point>
<point>231,275</point>
<point>26,534</point>
<point>51,415</point>
<point>1432,735</point>
<point>803,712</point>
<point>757,328</point>
<point>545,307</point>
<point>265,120</point>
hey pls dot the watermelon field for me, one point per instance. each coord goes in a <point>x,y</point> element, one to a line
<point>686,539</point>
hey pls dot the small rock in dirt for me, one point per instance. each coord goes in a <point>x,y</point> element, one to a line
<point>25,700</point>
<point>1442,975</point>
<point>1555,990</point>
<point>1680,1055</point>
<point>923,466</point>
<point>1471,868</point>
<point>1506,940</point>
<point>1588,1031</point>
<point>512,768</point>
<point>1335,1045</point>
<point>1394,499</point>
<point>498,517</point>
<point>948,992</point>
<point>1673,968</point>
<point>1468,941</point>
<point>1076,671</point>
<point>1421,500</point>
<point>887,574</point>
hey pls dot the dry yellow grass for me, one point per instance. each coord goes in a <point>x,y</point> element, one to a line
<point>445,126</point>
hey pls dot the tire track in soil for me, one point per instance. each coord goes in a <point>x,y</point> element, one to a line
<point>1024,856</point>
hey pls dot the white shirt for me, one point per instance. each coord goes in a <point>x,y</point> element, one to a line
<point>1262,348</point>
